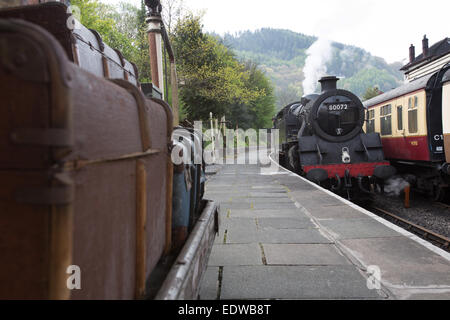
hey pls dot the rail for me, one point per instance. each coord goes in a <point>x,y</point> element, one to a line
<point>443,241</point>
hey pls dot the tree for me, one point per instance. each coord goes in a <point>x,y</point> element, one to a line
<point>262,108</point>
<point>211,77</point>
<point>173,11</point>
<point>286,96</point>
<point>371,92</point>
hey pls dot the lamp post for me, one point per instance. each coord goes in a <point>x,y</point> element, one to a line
<point>156,33</point>
<point>154,21</point>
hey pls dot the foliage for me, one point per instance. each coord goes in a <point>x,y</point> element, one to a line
<point>366,78</point>
<point>214,81</point>
<point>259,112</point>
<point>211,78</point>
<point>282,54</point>
<point>371,92</point>
<point>287,95</point>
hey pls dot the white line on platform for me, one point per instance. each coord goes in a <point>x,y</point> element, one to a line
<point>388,224</point>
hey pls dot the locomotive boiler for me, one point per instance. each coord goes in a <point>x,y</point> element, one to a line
<point>321,138</point>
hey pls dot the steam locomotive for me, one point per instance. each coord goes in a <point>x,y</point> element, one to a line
<point>321,138</point>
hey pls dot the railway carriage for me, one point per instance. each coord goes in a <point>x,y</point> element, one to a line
<point>413,121</point>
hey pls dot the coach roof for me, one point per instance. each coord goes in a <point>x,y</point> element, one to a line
<point>400,91</point>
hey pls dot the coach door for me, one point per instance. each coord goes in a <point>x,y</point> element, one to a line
<point>446,113</point>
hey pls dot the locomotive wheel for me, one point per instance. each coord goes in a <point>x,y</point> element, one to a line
<point>293,160</point>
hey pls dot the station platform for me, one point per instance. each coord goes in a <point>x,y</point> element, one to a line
<point>283,237</point>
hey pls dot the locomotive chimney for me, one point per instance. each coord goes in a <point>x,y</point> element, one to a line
<point>425,46</point>
<point>329,83</point>
<point>412,53</point>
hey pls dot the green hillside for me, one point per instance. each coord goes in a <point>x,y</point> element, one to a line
<point>282,54</point>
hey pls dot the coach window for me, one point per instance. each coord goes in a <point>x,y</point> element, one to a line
<point>370,121</point>
<point>399,118</point>
<point>386,120</point>
<point>412,115</point>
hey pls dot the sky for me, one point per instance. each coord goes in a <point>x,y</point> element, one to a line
<point>385,28</point>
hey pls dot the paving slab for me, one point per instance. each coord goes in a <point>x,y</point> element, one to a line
<point>358,228</point>
<point>285,213</point>
<point>239,225</point>
<point>227,193</point>
<point>431,294</point>
<point>209,284</point>
<point>303,254</point>
<point>274,205</point>
<point>269,200</point>
<point>294,282</point>
<point>335,212</point>
<point>267,195</point>
<point>236,255</point>
<point>268,191</point>
<point>404,263</point>
<point>270,235</point>
<point>271,187</point>
<point>314,198</point>
<point>286,223</point>
<point>241,235</point>
<point>236,205</point>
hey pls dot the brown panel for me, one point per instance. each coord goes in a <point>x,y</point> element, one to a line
<point>141,221</point>
<point>18,110</point>
<point>24,238</point>
<point>105,230</point>
<point>156,219</point>
<point>106,122</point>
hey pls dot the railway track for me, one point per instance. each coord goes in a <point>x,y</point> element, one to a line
<point>440,204</point>
<point>437,239</point>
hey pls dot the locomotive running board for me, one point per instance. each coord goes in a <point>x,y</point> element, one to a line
<point>183,280</point>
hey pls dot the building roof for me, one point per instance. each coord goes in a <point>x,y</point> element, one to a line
<point>436,51</point>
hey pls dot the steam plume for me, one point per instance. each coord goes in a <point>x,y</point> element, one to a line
<point>395,185</point>
<point>316,64</point>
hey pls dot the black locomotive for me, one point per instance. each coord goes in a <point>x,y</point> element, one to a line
<point>321,138</point>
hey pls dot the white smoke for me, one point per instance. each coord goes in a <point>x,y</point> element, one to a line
<point>395,185</point>
<point>316,64</point>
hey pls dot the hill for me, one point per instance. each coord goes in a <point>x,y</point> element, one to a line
<point>283,53</point>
